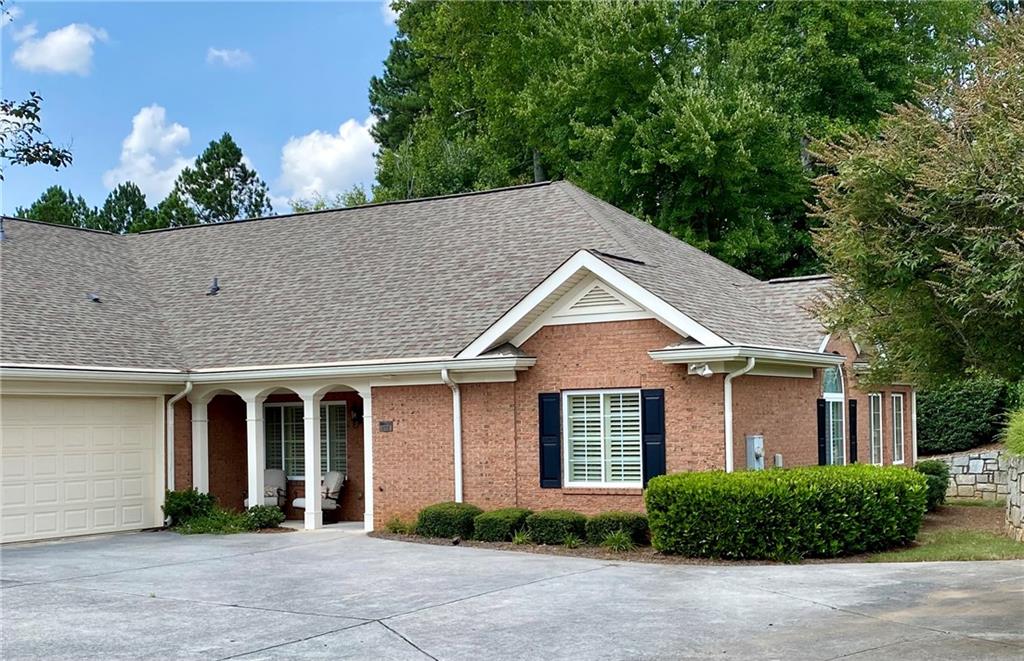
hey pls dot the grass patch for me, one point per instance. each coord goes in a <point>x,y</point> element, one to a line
<point>973,502</point>
<point>955,545</point>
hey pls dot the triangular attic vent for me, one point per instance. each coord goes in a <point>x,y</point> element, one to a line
<point>598,299</point>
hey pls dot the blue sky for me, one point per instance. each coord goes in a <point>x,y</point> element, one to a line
<point>138,89</point>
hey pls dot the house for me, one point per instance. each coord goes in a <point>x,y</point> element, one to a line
<point>528,346</point>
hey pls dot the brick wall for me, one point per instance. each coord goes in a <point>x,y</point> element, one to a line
<point>228,478</point>
<point>182,444</point>
<point>784,410</point>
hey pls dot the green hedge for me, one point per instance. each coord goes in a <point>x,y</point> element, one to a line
<point>265,516</point>
<point>552,526</point>
<point>961,415</point>
<point>183,506</point>
<point>785,514</point>
<point>937,474</point>
<point>447,520</point>
<point>1014,433</point>
<point>499,525</point>
<point>634,524</point>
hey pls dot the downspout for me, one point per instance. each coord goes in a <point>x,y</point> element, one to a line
<point>170,433</point>
<point>456,430</point>
<point>728,410</point>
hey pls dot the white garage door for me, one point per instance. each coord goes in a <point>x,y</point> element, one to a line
<point>77,465</point>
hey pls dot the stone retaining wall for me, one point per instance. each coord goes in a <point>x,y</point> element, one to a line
<point>981,475</point>
<point>1015,498</point>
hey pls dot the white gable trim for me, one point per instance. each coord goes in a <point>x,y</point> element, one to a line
<point>584,260</point>
<point>569,311</point>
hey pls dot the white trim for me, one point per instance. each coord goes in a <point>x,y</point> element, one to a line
<point>559,315</point>
<point>456,431</point>
<point>902,426</point>
<point>568,483</point>
<point>770,354</point>
<point>833,398</point>
<point>913,424</point>
<point>584,260</point>
<point>824,343</point>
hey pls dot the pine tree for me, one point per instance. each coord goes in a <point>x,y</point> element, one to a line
<point>221,187</point>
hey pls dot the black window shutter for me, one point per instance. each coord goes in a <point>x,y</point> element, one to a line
<point>653,412</point>
<point>549,406</point>
<point>822,455</point>
<point>853,431</point>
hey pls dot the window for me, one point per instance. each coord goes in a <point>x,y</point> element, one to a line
<point>284,433</point>
<point>602,438</point>
<point>897,428</point>
<point>875,422</point>
<point>834,422</point>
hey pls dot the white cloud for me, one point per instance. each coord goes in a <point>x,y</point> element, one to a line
<point>151,155</point>
<point>328,163</point>
<point>388,12</point>
<point>7,16</point>
<point>66,50</point>
<point>228,57</point>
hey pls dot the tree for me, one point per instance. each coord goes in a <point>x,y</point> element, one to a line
<point>60,207</point>
<point>353,197</point>
<point>21,137</point>
<point>692,115</point>
<point>924,225</point>
<point>220,186</point>
<point>124,210</point>
<point>173,211</point>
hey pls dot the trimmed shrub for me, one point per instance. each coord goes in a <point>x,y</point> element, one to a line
<point>553,526</point>
<point>786,514</point>
<point>960,415</point>
<point>216,522</point>
<point>447,520</point>
<point>182,506</point>
<point>265,516</point>
<point>499,525</point>
<point>634,524</point>
<point>937,474</point>
<point>1014,433</point>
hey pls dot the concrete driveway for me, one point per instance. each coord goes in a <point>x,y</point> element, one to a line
<point>340,594</point>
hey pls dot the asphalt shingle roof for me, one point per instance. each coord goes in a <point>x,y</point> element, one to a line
<point>400,280</point>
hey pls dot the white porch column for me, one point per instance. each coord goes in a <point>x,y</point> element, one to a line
<point>200,447</point>
<point>368,488</point>
<point>256,457</point>
<point>311,442</point>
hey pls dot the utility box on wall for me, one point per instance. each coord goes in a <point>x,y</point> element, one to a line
<point>755,452</point>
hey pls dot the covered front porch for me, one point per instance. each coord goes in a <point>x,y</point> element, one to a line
<point>245,435</point>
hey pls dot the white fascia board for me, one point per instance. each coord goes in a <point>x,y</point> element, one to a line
<point>824,343</point>
<point>584,260</point>
<point>351,370</point>
<point>785,356</point>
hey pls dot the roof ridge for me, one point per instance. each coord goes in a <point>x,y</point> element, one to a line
<point>371,205</point>
<point>60,225</point>
<point>799,278</point>
<point>616,235</point>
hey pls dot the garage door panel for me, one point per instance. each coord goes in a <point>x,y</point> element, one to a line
<point>77,465</point>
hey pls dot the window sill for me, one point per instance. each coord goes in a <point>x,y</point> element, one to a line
<point>602,491</point>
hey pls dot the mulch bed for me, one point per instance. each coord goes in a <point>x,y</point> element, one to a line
<point>973,519</point>
<point>271,531</point>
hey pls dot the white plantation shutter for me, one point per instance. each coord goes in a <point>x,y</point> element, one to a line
<point>294,453</point>
<point>897,428</point>
<point>284,430</point>
<point>604,441</point>
<point>272,436</point>
<point>875,420</point>
<point>622,437</point>
<point>584,438</point>
<point>334,437</point>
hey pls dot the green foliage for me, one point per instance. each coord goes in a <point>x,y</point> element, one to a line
<point>124,210</point>
<point>937,474</point>
<point>22,141</point>
<point>959,415</point>
<point>571,541</point>
<point>353,197</point>
<point>1014,432</point>
<point>634,524</point>
<point>690,115</point>
<point>924,229</point>
<point>173,211</point>
<point>265,516</point>
<point>552,526</point>
<point>397,526</point>
<point>619,541</point>
<point>60,207</point>
<point>181,506</point>
<point>217,522</point>
<point>520,537</point>
<point>786,514</point>
<point>499,525</point>
<point>447,520</point>
<point>221,187</point>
